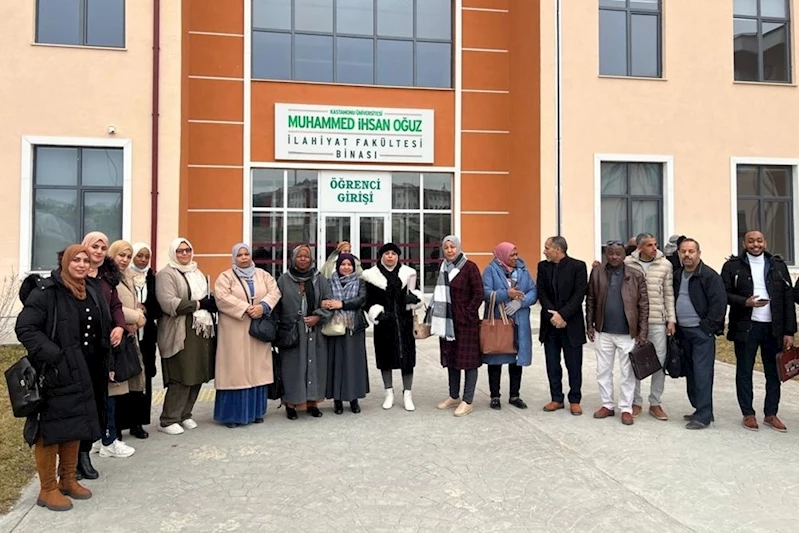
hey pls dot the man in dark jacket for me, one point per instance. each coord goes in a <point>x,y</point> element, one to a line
<point>562,283</point>
<point>762,314</point>
<point>700,305</point>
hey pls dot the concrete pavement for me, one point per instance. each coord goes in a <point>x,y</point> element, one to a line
<point>507,470</point>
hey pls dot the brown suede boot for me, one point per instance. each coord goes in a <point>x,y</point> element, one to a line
<point>68,484</point>
<point>49,495</point>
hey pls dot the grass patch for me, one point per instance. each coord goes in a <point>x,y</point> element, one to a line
<point>16,459</point>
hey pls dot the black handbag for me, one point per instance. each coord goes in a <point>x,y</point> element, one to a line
<point>265,328</point>
<point>645,362</point>
<point>126,360</point>
<point>675,358</point>
<point>288,333</point>
<point>275,390</point>
<point>24,383</point>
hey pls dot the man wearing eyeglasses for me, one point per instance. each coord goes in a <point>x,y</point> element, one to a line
<point>616,318</point>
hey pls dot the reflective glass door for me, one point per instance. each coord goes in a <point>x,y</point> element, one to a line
<point>372,234</point>
<point>337,228</point>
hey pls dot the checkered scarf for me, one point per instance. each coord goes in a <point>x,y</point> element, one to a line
<point>441,322</point>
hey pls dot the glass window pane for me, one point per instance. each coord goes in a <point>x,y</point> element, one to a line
<point>271,14</point>
<point>354,60</point>
<point>645,179</point>
<point>56,166</point>
<point>394,63</point>
<point>645,5</point>
<point>745,7</point>
<point>436,227</point>
<point>372,231</point>
<point>313,58</point>
<point>55,225</point>
<point>611,3</point>
<point>745,49</point>
<point>646,218</point>
<point>434,19</point>
<point>301,229</point>
<point>405,233</point>
<point>777,227</point>
<point>747,180</point>
<point>776,181</point>
<point>614,178</point>
<point>433,65</point>
<point>337,229</point>
<point>775,52</point>
<point>438,191</point>
<point>105,23</point>
<point>271,55</point>
<point>614,220</point>
<point>355,16</point>
<point>102,167</point>
<point>748,217</point>
<point>102,211</point>
<point>267,187</point>
<point>395,18</point>
<point>612,43</point>
<point>303,189</point>
<point>773,8</point>
<point>313,15</point>
<point>405,190</point>
<point>267,242</point>
<point>644,37</point>
<point>58,22</point>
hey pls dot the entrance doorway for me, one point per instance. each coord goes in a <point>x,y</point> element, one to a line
<point>366,233</point>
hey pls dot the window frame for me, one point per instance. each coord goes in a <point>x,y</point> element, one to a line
<point>29,145</point>
<point>84,13</point>
<point>375,38</point>
<point>629,12</point>
<point>760,20</point>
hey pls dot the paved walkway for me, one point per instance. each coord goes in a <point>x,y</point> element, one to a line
<point>507,470</point>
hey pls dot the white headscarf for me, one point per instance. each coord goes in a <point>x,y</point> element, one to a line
<point>203,322</point>
<point>139,274</point>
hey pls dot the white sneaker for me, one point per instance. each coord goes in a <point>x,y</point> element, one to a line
<point>116,449</point>
<point>388,403</point>
<point>189,424</point>
<point>96,446</point>
<point>407,398</point>
<point>173,429</point>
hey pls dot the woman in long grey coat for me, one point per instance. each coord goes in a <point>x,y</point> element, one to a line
<point>347,371</point>
<point>304,366</point>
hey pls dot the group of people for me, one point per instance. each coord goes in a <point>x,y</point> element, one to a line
<point>104,302</point>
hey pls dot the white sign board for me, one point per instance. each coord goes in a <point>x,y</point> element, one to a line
<point>354,192</point>
<point>353,134</point>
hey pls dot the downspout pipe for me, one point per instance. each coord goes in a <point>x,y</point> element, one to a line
<point>558,131</point>
<point>155,130</point>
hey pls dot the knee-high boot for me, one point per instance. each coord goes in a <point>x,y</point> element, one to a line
<point>68,484</point>
<point>49,495</point>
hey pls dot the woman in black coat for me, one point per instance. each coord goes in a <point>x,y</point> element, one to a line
<point>391,297</point>
<point>65,326</point>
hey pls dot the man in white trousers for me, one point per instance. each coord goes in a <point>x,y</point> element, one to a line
<point>659,274</point>
<point>617,318</point>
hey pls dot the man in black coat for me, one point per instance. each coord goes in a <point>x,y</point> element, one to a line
<point>762,314</point>
<point>562,283</point>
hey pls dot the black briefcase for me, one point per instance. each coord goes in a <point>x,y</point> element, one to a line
<point>645,361</point>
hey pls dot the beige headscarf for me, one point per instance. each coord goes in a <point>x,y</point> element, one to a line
<point>203,322</point>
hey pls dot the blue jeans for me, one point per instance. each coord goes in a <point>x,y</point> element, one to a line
<point>111,424</point>
<point>701,349</point>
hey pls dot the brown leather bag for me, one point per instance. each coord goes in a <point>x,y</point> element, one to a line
<point>497,338</point>
<point>644,360</point>
<point>788,364</point>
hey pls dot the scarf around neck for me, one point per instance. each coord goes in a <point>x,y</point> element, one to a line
<point>441,321</point>
<point>345,288</point>
<point>202,321</point>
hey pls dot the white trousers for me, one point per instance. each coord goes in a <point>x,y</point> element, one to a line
<point>606,347</point>
<point>657,336</point>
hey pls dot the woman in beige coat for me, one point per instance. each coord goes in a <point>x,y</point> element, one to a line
<point>243,363</point>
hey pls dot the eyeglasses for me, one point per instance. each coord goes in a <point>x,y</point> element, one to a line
<point>613,243</point>
<point>183,251</point>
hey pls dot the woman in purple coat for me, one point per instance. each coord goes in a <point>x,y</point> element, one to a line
<point>455,320</point>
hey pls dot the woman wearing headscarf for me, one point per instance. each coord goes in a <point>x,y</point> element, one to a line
<point>130,406</point>
<point>243,363</point>
<point>508,277</point>
<point>304,366</point>
<point>455,320</point>
<point>391,298</point>
<point>330,267</point>
<point>67,363</point>
<point>347,373</point>
<point>104,276</point>
<point>185,335</point>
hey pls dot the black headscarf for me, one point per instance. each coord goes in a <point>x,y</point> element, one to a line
<point>304,279</point>
<point>394,284</point>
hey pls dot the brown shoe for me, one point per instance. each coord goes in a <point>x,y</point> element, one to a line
<point>553,406</point>
<point>575,409</point>
<point>658,412</point>
<point>604,412</point>
<point>775,423</point>
<point>750,423</point>
<point>68,484</point>
<point>636,410</point>
<point>627,419</point>
<point>49,495</point>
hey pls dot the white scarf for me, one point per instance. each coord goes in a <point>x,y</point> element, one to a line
<point>202,321</point>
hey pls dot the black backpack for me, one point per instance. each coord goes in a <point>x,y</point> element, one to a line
<point>676,358</point>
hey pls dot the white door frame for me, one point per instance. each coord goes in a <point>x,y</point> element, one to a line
<point>355,231</point>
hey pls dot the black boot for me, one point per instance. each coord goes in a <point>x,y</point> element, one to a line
<point>85,467</point>
<point>291,413</point>
<point>354,407</point>
<point>338,408</point>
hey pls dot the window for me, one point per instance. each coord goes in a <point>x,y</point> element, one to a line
<point>81,22</point>
<point>367,42</point>
<point>75,191</point>
<point>632,200</point>
<point>761,37</point>
<point>630,38</point>
<point>765,203</point>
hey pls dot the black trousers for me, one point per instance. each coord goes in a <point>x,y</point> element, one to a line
<point>760,336</point>
<point>573,357</point>
<point>495,375</point>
